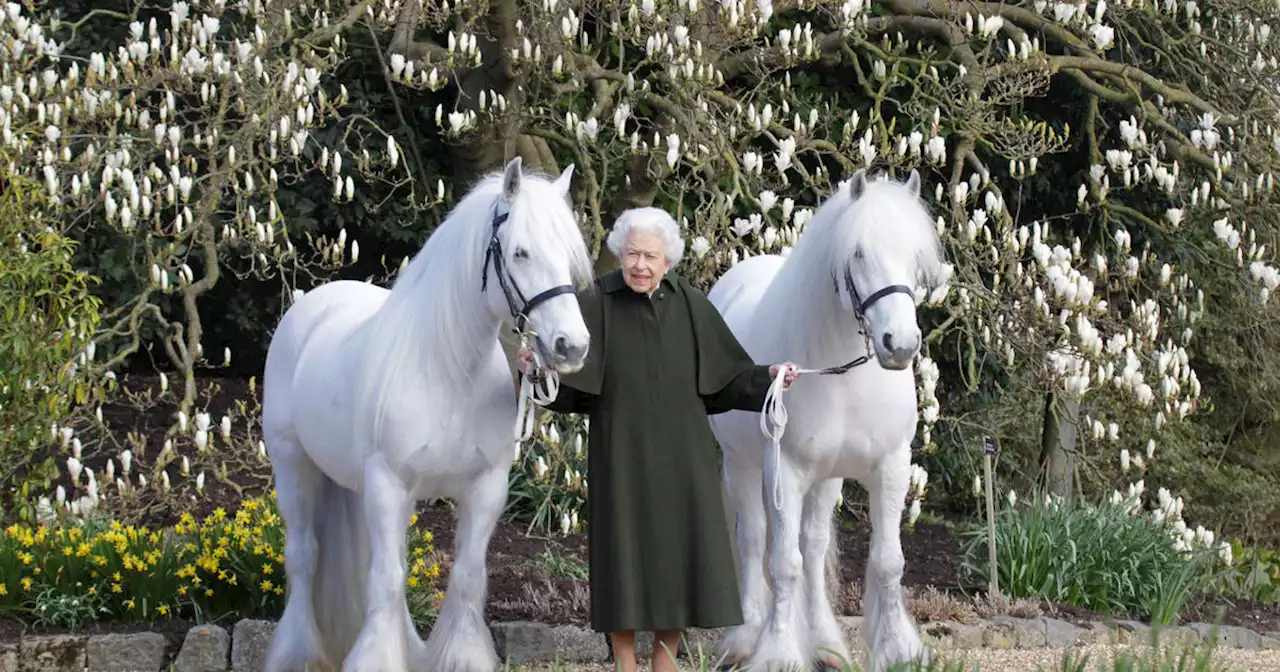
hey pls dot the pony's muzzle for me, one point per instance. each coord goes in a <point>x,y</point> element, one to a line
<point>568,354</point>
<point>896,353</point>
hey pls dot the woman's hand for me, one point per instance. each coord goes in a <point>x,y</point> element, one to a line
<point>792,373</point>
<point>524,360</point>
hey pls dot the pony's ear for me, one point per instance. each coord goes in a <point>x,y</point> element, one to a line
<point>913,182</point>
<point>858,184</point>
<point>511,179</point>
<point>565,178</point>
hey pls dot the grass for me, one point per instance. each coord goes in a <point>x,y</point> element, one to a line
<point>1096,557</point>
<point>556,565</point>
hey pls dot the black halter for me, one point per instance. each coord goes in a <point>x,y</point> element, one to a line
<point>509,288</point>
<point>860,312</point>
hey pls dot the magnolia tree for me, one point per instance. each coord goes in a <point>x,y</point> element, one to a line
<point>177,141</point>
<point>741,116</point>
<point>1074,153</point>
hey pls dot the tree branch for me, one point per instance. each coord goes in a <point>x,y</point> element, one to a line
<point>1129,72</point>
<point>827,46</point>
<point>402,41</point>
<point>1181,146</point>
<point>415,153</point>
<point>326,33</point>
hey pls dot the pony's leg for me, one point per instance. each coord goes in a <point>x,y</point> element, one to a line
<point>742,482</point>
<point>888,629</point>
<point>417,647</point>
<point>460,640</point>
<point>783,643</point>
<point>383,642</point>
<point>827,640</point>
<point>296,643</point>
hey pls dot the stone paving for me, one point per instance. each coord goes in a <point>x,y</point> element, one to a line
<point>242,647</point>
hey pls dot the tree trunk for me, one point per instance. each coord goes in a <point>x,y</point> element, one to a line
<point>1058,444</point>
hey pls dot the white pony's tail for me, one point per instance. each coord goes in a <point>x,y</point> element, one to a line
<point>337,589</point>
<point>342,569</point>
<point>339,532</point>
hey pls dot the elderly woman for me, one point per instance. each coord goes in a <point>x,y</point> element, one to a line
<point>661,360</point>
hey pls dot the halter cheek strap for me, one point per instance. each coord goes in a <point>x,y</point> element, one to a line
<point>541,386</point>
<point>519,306</point>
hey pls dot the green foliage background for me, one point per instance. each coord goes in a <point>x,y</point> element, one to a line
<point>48,314</point>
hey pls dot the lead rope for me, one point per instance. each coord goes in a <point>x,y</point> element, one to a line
<point>775,413</point>
<point>530,393</point>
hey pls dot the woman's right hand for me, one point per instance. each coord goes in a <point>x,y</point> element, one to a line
<point>524,360</point>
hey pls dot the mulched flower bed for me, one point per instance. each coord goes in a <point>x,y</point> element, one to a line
<point>543,579</point>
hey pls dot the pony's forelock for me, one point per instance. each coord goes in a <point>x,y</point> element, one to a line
<point>896,224</point>
<point>545,229</point>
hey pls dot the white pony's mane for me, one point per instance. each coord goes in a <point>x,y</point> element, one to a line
<point>887,221</point>
<point>436,321</point>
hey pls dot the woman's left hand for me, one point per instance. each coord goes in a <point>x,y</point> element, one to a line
<point>792,373</point>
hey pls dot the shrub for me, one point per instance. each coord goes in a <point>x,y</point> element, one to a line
<point>1102,558</point>
<point>47,317</point>
<point>548,486</point>
<point>1254,575</point>
<point>223,565</point>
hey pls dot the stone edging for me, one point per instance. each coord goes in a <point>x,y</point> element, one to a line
<point>211,648</point>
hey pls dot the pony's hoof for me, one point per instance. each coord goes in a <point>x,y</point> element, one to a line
<point>831,658</point>
<point>738,643</point>
<point>295,644</point>
<point>375,659</point>
<point>829,648</point>
<point>776,654</point>
<point>379,649</point>
<point>464,661</point>
<point>471,650</point>
<point>918,654</point>
<point>778,664</point>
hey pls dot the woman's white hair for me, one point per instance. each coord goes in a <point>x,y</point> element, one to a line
<point>647,220</point>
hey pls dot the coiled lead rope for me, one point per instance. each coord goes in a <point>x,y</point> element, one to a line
<point>531,394</point>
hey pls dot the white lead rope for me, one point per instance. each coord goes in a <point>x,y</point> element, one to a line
<point>775,413</point>
<point>530,394</point>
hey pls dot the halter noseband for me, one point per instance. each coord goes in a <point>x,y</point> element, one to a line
<point>509,288</point>
<point>859,306</point>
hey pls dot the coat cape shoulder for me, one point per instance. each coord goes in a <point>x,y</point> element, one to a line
<point>719,356</point>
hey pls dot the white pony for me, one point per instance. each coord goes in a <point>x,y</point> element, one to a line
<point>846,285</point>
<point>374,399</point>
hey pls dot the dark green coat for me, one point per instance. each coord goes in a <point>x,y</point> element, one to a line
<point>660,557</point>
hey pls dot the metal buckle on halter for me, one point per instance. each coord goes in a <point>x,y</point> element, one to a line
<point>537,376</point>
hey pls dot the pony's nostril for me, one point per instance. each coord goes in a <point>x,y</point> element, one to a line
<point>562,346</point>
<point>887,340</point>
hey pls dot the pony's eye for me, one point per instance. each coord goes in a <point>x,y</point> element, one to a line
<point>857,254</point>
<point>521,253</point>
